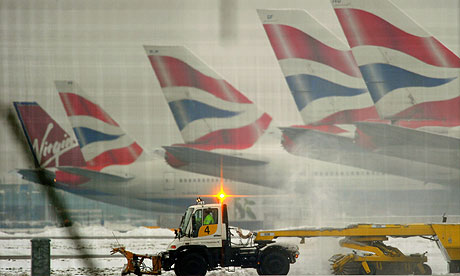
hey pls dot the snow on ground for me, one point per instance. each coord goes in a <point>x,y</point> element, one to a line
<point>313,259</point>
<point>89,231</point>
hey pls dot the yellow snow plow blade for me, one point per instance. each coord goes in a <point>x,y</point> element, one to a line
<point>136,263</point>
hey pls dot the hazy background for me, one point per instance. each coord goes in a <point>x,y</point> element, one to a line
<point>99,45</point>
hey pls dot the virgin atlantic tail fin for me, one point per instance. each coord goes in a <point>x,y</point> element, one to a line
<point>51,145</point>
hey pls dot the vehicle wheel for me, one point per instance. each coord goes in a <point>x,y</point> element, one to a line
<point>454,267</point>
<point>191,265</point>
<point>371,267</point>
<point>125,270</point>
<point>137,271</point>
<point>259,271</point>
<point>274,263</point>
<point>427,269</point>
<point>177,270</point>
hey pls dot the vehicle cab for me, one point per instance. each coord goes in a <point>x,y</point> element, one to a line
<point>201,225</point>
<point>203,243</point>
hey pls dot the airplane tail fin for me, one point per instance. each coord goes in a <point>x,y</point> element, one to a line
<point>320,70</point>
<point>209,111</point>
<point>102,141</point>
<point>409,73</point>
<point>51,145</point>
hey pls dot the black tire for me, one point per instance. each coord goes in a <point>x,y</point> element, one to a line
<point>372,269</point>
<point>191,265</point>
<point>427,269</point>
<point>177,270</point>
<point>454,267</point>
<point>274,263</point>
<point>125,268</point>
<point>259,271</point>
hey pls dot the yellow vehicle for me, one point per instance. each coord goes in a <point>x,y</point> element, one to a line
<point>381,259</point>
<point>201,246</point>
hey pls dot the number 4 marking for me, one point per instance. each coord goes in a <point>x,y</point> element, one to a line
<point>206,230</point>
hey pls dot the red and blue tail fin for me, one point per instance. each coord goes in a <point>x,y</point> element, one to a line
<point>50,144</point>
<point>209,111</point>
<point>320,70</point>
<point>102,141</point>
<point>409,73</point>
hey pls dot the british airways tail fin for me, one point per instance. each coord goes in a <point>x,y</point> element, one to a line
<point>409,73</point>
<point>102,141</point>
<point>209,111</point>
<point>51,145</point>
<point>320,70</point>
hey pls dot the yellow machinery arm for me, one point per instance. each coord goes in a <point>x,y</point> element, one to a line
<point>384,259</point>
<point>358,230</point>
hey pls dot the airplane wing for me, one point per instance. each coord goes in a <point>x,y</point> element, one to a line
<point>39,175</point>
<point>96,175</point>
<point>343,150</point>
<point>411,144</point>
<point>191,155</point>
<point>317,141</point>
<point>73,174</point>
<point>236,168</point>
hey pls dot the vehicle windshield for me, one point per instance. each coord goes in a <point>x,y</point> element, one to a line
<point>185,220</point>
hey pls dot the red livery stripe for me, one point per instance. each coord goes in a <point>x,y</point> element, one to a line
<point>351,116</point>
<point>77,105</point>
<point>57,142</point>
<point>173,72</point>
<point>236,138</point>
<point>333,129</point>
<point>72,179</point>
<point>363,140</point>
<point>289,42</point>
<point>121,156</point>
<point>364,28</point>
<point>173,161</point>
<point>414,124</point>
<point>72,157</point>
<point>448,110</point>
<point>288,144</point>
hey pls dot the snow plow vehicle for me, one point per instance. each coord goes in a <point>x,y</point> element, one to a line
<point>203,242</point>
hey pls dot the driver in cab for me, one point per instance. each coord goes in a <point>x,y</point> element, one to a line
<point>209,218</point>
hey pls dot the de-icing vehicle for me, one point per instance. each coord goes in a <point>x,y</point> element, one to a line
<point>203,242</point>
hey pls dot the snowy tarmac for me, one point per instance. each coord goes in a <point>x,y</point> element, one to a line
<point>98,241</point>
